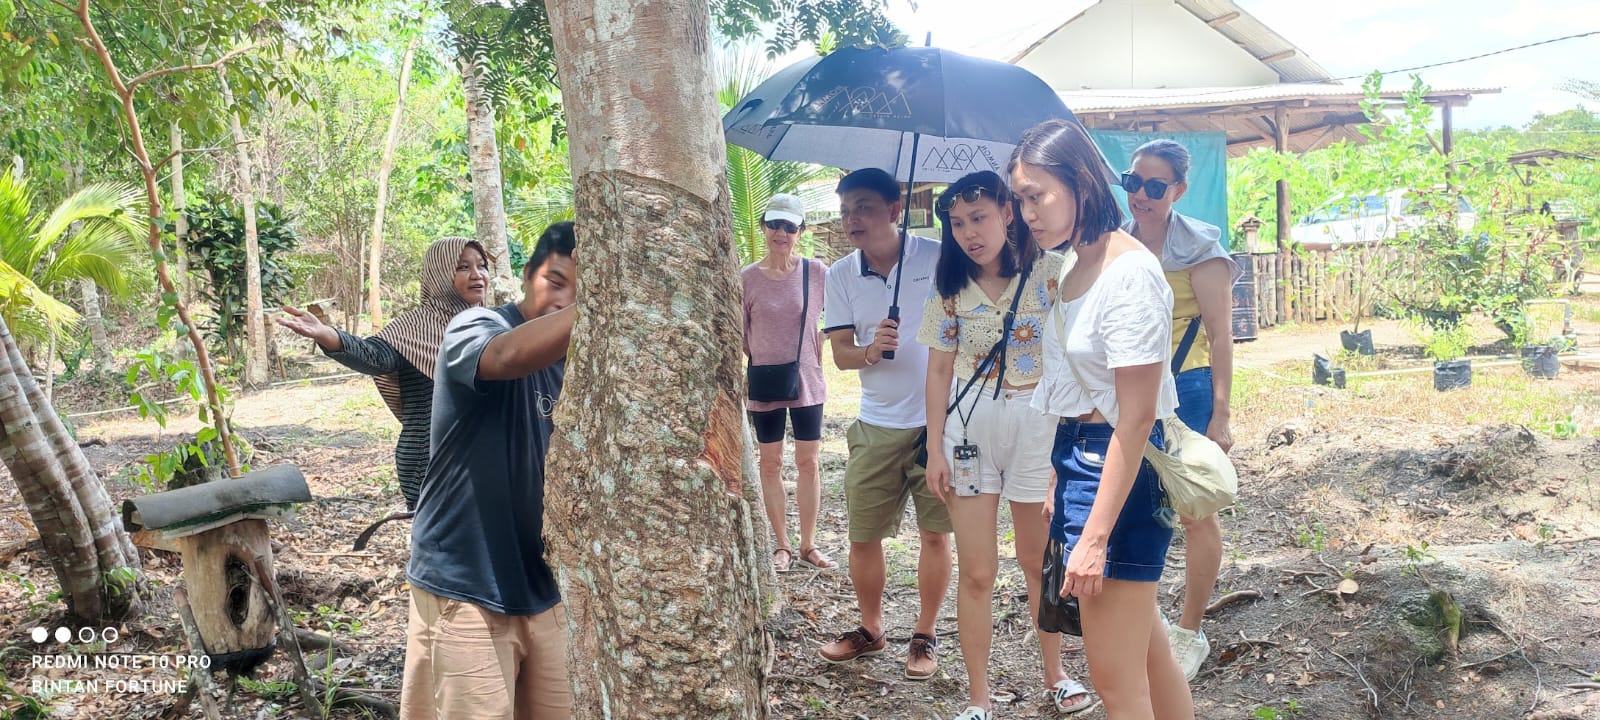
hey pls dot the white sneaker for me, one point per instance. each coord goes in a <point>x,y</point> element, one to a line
<point>1190,648</point>
<point>975,713</point>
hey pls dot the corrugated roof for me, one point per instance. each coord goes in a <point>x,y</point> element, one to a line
<point>1229,20</point>
<point>1102,101</point>
<point>1290,62</point>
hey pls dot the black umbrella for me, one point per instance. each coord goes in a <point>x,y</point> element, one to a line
<point>915,112</point>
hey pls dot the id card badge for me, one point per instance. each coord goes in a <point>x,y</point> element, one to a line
<point>964,476</point>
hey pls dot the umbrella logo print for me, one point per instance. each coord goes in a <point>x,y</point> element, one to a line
<point>868,101</point>
<point>960,157</point>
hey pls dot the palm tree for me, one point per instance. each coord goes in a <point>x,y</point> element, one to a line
<point>752,179</point>
<point>42,254</point>
<point>93,558</point>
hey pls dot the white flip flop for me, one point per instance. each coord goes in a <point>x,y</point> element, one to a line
<point>1068,688</point>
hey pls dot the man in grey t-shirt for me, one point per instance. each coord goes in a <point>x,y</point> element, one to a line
<point>486,637</point>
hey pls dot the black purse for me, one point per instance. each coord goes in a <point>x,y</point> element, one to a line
<point>781,383</point>
<point>998,351</point>
<point>1057,614</point>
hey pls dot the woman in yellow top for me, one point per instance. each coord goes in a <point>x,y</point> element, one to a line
<point>983,326</point>
<point>1201,276</point>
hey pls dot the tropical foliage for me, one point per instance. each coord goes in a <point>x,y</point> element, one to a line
<point>91,235</point>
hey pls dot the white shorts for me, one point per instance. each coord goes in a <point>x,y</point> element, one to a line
<point>1013,439</point>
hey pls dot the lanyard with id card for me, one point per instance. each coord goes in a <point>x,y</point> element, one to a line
<point>965,473</point>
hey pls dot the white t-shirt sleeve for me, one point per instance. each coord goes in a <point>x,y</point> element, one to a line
<point>837,313</point>
<point>1136,318</point>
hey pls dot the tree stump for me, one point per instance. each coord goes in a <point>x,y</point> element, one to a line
<point>230,607</point>
<point>220,528</point>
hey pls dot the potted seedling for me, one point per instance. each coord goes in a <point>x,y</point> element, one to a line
<point>1448,345</point>
<point>1538,358</point>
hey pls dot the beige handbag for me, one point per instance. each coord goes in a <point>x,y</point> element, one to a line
<point>1196,473</point>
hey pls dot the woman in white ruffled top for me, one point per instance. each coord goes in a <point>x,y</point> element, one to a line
<point>1201,275</point>
<point>1107,346</point>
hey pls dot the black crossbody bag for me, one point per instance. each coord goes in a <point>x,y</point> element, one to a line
<point>781,383</point>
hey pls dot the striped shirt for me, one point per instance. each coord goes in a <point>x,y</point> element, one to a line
<point>374,356</point>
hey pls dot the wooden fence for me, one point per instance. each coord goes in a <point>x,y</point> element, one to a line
<point>1317,285</point>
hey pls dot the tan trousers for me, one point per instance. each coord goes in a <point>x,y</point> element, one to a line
<point>464,662</point>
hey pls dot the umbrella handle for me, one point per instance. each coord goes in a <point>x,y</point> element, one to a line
<point>894,314</point>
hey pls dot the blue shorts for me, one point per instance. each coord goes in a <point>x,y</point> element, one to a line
<point>1137,549</point>
<point>1195,401</point>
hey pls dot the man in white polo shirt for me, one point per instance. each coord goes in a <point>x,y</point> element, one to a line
<point>883,473</point>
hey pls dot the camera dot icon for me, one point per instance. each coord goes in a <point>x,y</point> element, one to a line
<point>40,634</point>
<point>63,635</point>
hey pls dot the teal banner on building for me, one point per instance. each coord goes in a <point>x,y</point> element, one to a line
<point>1207,197</point>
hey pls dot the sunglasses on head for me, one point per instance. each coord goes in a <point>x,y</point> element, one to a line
<point>970,195</point>
<point>783,225</point>
<point>1153,189</point>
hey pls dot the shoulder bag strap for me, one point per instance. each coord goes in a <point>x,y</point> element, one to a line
<point>805,305</point>
<point>1005,330</point>
<point>996,352</point>
<point>1185,345</point>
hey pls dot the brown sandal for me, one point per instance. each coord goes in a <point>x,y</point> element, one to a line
<point>813,558</point>
<point>782,565</point>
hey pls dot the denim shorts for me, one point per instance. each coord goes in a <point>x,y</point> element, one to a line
<point>1195,401</point>
<point>1137,549</point>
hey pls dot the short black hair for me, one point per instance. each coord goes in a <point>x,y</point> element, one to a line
<point>558,238</point>
<point>955,269</point>
<point>1174,154</point>
<point>1064,149</point>
<point>874,179</point>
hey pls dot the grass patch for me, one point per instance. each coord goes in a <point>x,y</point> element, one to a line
<point>1264,399</point>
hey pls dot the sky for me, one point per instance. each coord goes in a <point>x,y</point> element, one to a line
<point>1350,38</point>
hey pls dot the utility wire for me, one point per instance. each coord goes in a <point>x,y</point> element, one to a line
<point>1178,92</point>
<point>1483,55</point>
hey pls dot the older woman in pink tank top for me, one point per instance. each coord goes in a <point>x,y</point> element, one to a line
<point>782,312</point>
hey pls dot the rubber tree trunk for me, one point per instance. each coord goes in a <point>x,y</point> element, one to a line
<point>385,166</point>
<point>99,345</point>
<point>180,218</point>
<point>488,190</point>
<point>654,525</point>
<point>255,354</point>
<point>94,560</point>
<point>147,171</point>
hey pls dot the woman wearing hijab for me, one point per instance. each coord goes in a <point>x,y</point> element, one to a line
<point>455,274</point>
<point>1201,275</point>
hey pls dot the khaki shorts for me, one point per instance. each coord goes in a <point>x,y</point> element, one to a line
<point>881,475</point>
<point>464,662</point>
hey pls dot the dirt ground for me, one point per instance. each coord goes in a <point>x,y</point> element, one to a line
<point>1354,504</point>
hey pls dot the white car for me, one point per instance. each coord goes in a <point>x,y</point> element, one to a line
<point>1354,220</point>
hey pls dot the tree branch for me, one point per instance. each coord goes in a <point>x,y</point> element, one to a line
<point>185,151</point>
<point>214,64</point>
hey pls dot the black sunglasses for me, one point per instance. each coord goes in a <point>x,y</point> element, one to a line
<point>1153,189</point>
<point>970,195</point>
<point>783,225</point>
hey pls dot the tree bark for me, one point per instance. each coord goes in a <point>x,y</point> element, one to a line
<point>654,526</point>
<point>483,164</point>
<point>255,354</point>
<point>385,166</point>
<point>69,506</point>
<point>99,346</point>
